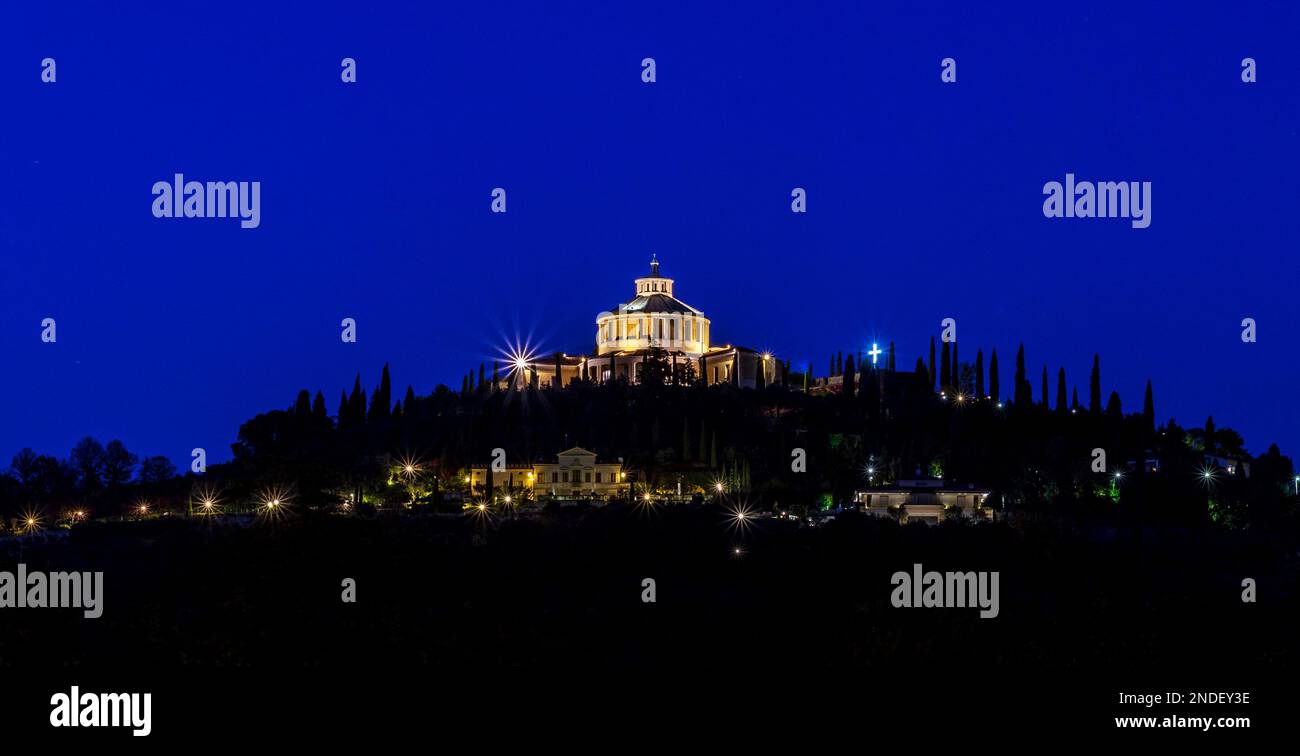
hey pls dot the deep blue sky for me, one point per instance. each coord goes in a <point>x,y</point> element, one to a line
<point>924,199</point>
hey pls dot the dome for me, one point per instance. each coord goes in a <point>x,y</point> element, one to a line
<point>654,318</point>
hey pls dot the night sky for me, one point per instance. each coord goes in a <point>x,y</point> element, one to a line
<point>924,199</point>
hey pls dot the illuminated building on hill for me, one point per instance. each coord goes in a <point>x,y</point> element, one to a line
<point>656,331</point>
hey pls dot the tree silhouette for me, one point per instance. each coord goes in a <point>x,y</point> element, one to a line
<point>1024,393</point>
<point>302,407</point>
<point>933,376</point>
<point>1149,411</point>
<point>993,377</point>
<point>1094,386</point>
<point>945,366</point>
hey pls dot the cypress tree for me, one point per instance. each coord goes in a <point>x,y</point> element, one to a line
<point>832,370</point>
<point>558,380</point>
<point>807,377</point>
<point>1047,398</point>
<point>979,374</point>
<point>1074,403</point>
<point>1060,391</point>
<point>850,379</point>
<point>409,401</point>
<point>495,380</point>
<point>318,410</point>
<point>482,382</point>
<point>1149,410</point>
<point>386,388</point>
<point>713,451</point>
<point>1209,435</point>
<point>933,375</point>
<point>1094,386</point>
<point>357,404</point>
<point>760,380</point>
<point>993,377</point>
<point>839,363</point>
<point>1024,392</point>
<point>955,374</point>
<point>1113,407</point>
<point>890,363</point>
<point>345,415</point>
<point>945,367</point>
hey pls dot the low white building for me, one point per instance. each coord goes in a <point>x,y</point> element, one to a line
<point>928,500</point>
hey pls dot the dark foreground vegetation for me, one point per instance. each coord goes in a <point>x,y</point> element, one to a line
<point>245,622</point>
<point>567,590</point>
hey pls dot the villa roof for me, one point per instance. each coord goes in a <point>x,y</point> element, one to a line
<point>660,303</point>
<point>576,451</point>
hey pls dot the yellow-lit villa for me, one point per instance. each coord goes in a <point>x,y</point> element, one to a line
<point>655,321</point>
<point>575,473</point>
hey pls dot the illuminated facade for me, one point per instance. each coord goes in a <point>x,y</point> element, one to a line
<point>657,327</point>
<point>929,501</point>
<point>576,473</point>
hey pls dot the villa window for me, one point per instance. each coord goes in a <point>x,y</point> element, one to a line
<point>555,477</point>
<point>597,477</point>
<point>588,477</point>
<point>672,330</point>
